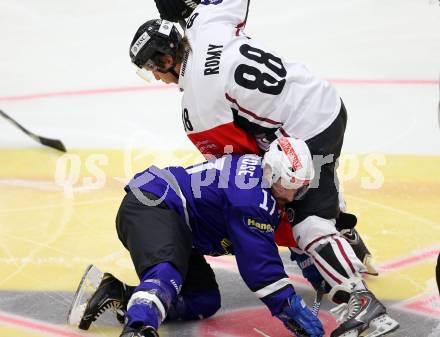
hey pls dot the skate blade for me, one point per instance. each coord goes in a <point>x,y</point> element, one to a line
<point>89,283</point>
<point>380,326</point>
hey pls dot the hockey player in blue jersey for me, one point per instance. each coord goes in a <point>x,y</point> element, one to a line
<point>171,217</point>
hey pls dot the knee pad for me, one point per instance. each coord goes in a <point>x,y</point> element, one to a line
<point>335,260</point>
<point>312,229</point>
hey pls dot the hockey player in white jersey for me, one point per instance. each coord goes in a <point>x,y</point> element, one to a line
<point>233,83</point>
<point>237,94</point>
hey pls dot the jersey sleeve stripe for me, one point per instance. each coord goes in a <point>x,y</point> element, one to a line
<point>274,287</point>
<point>252,114</point>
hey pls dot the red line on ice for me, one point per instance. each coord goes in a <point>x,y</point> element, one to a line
<point>100,91</point>
<point>425,306</point>
<point>409,260</point>
<point>85,92</point>
<point>416,258</point>
<point>385,81</point>
<point>29,324</point>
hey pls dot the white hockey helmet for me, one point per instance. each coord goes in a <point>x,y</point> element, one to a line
<point>289,160</point>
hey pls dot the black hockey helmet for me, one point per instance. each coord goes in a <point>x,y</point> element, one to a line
<point>154,37</point>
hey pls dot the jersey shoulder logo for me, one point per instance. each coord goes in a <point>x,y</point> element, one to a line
<point>259,225</point>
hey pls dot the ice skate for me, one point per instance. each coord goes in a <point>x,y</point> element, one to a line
<point>363,316</point>
<point>96,293</point>
<point>146,331</point>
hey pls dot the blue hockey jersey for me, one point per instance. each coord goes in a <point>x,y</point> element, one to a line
<point>229,211</point>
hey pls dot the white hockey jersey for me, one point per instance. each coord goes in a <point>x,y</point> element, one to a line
<point>236,91</point>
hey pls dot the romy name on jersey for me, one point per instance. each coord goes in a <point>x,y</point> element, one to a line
<point>212,61</point>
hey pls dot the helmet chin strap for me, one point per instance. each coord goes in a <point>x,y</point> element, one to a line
<point>171,70</point>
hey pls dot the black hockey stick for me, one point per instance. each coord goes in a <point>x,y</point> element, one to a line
<point>53,143</point>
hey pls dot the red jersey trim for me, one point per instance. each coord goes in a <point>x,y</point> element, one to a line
<point>242,24</point>
<point>225,138</point>
<point>283,234</point>
<point>250,113</point>
<point>284,133</point>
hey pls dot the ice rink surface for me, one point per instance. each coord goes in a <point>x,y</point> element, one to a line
<point>65,73</point>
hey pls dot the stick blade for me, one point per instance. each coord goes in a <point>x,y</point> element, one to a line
<point>53,143</point>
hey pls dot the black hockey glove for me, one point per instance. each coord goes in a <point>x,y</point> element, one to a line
<point>175,10</point>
